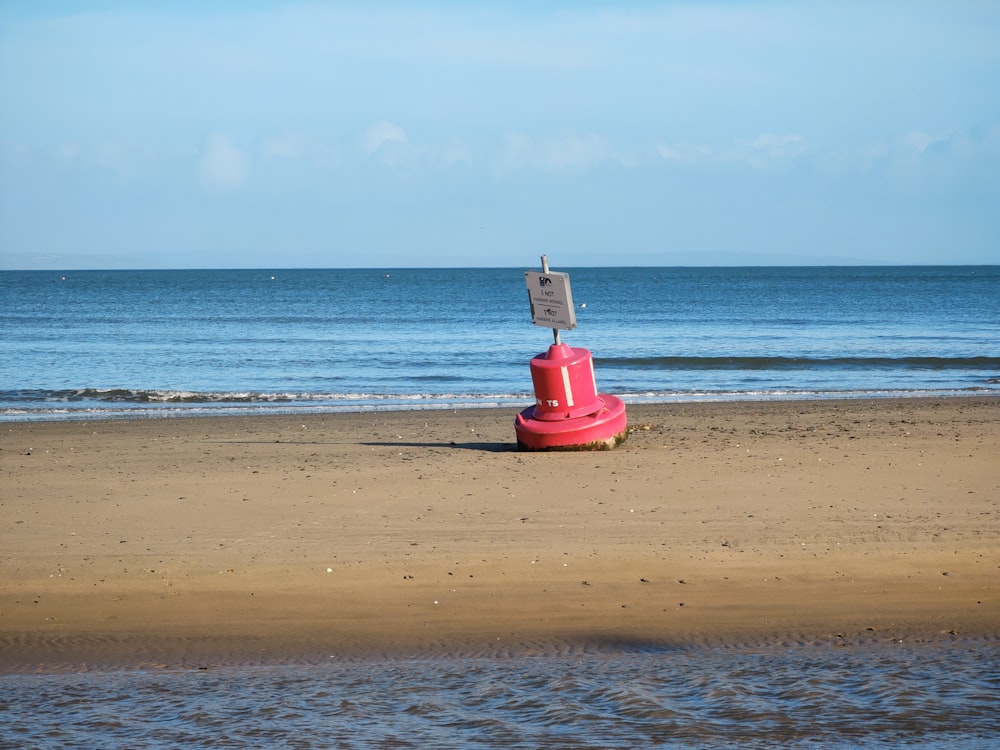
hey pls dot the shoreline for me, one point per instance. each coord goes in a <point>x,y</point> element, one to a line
<point>204,541</point>
<point>267,408</point>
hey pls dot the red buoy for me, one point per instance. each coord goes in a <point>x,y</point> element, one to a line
<point>569,413</point>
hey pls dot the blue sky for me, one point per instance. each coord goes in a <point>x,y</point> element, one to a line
<point>265,134</point>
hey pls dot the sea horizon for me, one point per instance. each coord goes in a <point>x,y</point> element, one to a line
<point>847,263</point>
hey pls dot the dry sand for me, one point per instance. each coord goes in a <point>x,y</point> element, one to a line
<point>206,541</point>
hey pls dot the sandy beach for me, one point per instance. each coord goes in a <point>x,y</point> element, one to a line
<point>206,541</point>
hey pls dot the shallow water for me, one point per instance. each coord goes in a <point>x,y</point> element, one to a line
<point>887,695</point>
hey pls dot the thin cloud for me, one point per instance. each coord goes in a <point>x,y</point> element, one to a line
<point>283,146</point>
<point>768,150</point>
<point>381,133</point>
<point>223,164</point>
<point>566,152</point>
<point>69,152</point>
<point>760,152</point>
<point>685,152</point>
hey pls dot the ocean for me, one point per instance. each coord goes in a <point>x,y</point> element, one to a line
<point>128,344</point>
<point>112,344</point>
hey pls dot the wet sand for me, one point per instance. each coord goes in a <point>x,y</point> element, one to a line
<point>210,541</point>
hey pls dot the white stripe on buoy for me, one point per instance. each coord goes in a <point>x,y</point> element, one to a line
<point>567,386</point>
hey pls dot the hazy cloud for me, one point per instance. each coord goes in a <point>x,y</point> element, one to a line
<point>777,145</point>
<point>685,151</point>
<point>768,150</point>
<point>69,151</point>
<point>919,141</point>
<point>458,152</point>
<point>381,133</point>
<point>283,146</point>
<point>565,152</point>
<point>759,152</point>
<point>223,165</point>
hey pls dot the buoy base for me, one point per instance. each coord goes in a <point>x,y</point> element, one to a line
<point>603,430</point>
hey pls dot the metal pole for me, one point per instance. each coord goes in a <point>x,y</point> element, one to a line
<point>545,269</point>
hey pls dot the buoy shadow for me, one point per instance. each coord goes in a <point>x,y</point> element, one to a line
<point>487,447</point>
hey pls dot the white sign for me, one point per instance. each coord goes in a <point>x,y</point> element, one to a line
<point>551,300</point>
